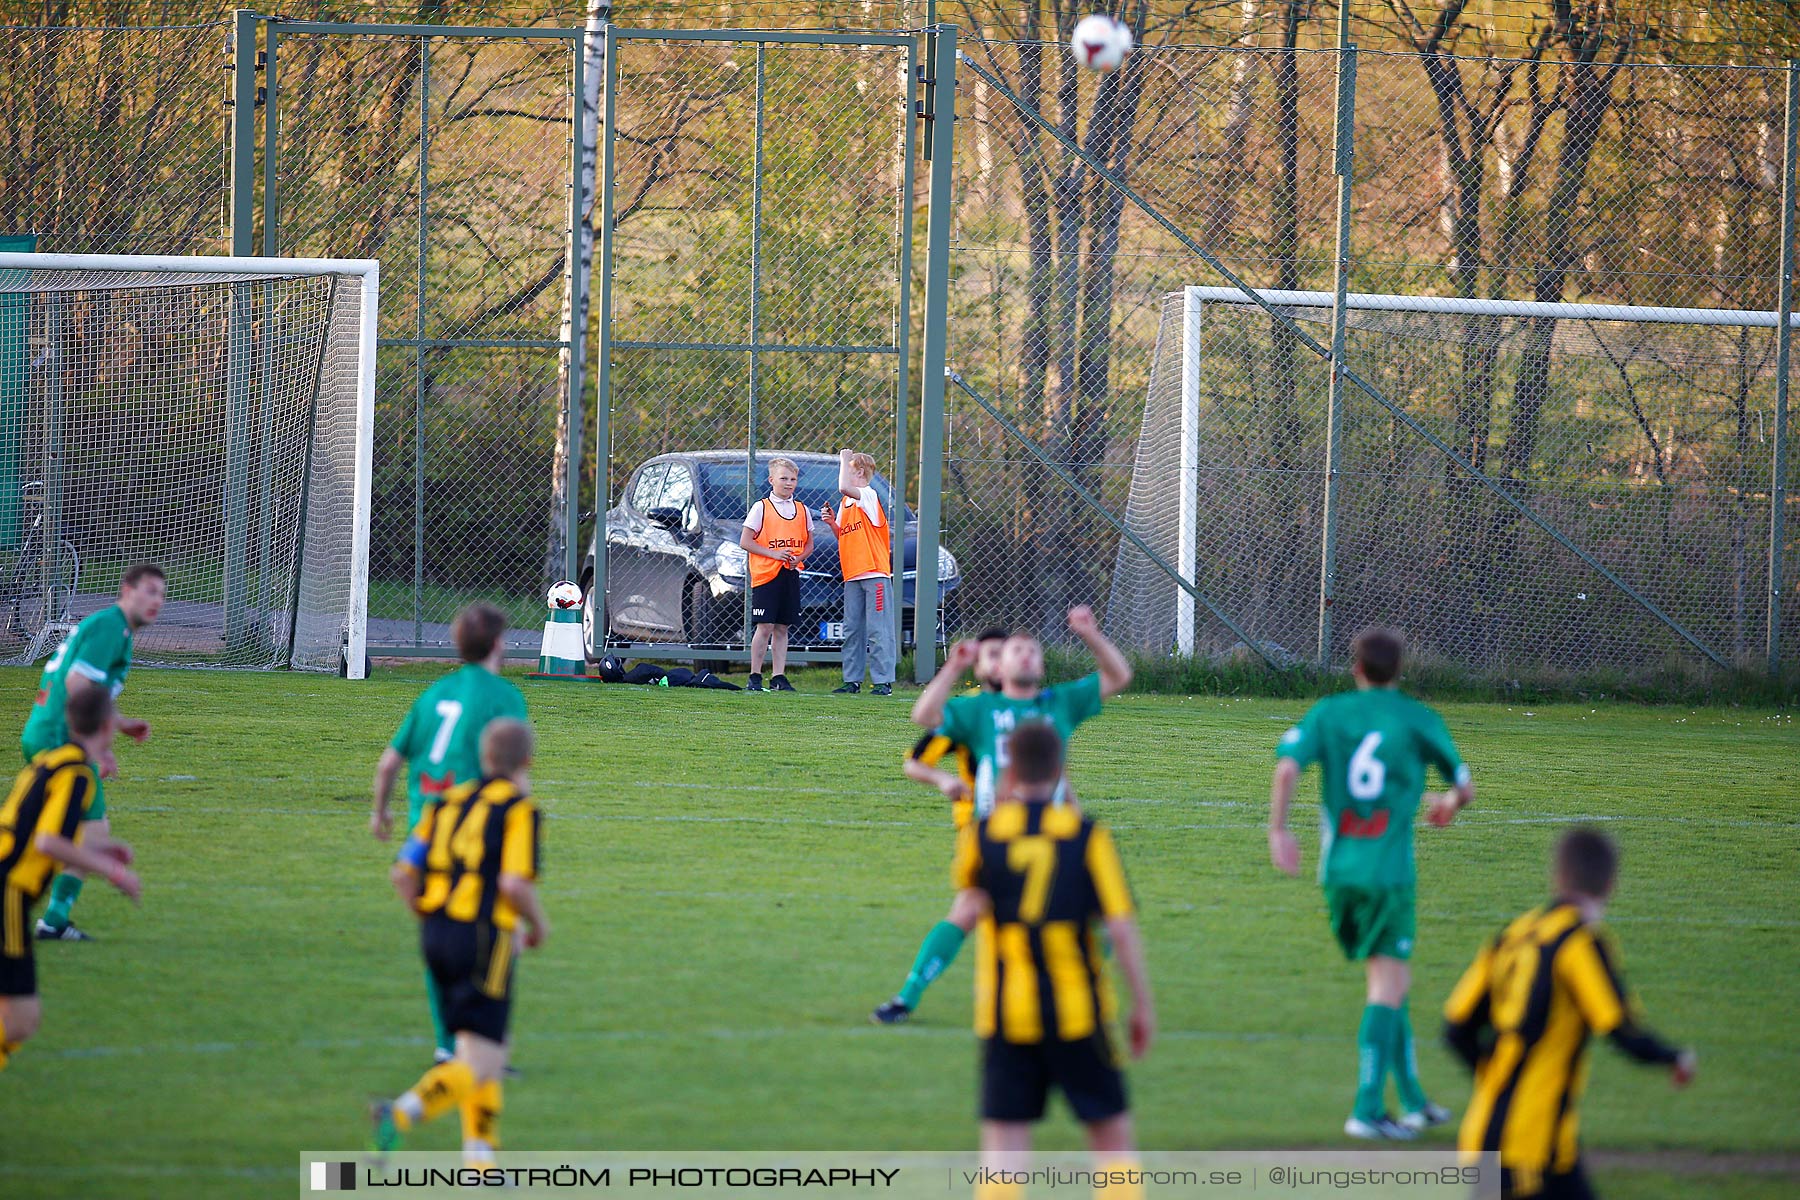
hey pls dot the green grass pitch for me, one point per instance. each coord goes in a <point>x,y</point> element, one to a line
<point>735,880</point>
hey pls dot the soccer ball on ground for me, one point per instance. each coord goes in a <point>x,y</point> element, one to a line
<point>1100,42</point>
<point>564,594</point>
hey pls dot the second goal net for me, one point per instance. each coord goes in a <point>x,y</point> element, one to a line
<point>1610,509</point>
<point>214,416</point>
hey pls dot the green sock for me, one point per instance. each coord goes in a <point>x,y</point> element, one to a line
<point>1374,1048</point>
<point>1406,1063</point>
<point>446,1041</point>
<point>63,890</point>
<point>936,952</point>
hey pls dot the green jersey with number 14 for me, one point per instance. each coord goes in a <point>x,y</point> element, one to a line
<point>1373,747</point>
<point>983,723</point>
<point>441,736</point>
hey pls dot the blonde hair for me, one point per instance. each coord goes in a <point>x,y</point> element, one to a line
<point>506,746</point>
<point>863,462</point>
<point>776,464</point>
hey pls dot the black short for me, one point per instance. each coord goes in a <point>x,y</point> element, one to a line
<point>777,602</point>
<point>472,966</point>
<point>1568,1185</point>
<point>18,975</point>
<point>1016,1079</point>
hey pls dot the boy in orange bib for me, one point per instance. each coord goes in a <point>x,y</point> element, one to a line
<point>777,536</point>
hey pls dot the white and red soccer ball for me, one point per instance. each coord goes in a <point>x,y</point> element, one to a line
<point>564,594</point>
<point>1100,43</point>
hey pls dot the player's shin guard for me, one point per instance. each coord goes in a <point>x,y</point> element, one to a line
<point>936,952</point>
<point>63,892</point>
<point>438,1091</point>
<point>1406,1063</point>
<point>1374,1048</point>
<point>481,1122</point>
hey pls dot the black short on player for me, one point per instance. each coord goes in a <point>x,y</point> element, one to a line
<point>1042,1004</point>
<point>777,602</point>
<point>478,832</point>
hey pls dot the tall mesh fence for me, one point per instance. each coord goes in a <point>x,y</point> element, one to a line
<point>757,311</point>
<point>457,179</point>
<point>1514,150</point>
<point>187,421</point>
<point>1562,175</point>
<point>115,138</point>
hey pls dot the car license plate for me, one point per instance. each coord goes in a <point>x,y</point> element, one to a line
<point>831,631</point>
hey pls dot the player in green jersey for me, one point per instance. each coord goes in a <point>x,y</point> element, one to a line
<point>1373,747</point>
<point>440,742</point>
<point>982,723</point>
<point>97,654</point>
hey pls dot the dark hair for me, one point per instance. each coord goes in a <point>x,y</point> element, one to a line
<point>476,630</point>
<point>1035,751</point>
<point>138,572</point>
<point>506,746</point>
<point>1586,861</point>
<point>1377,651</point>
<point>993,633</point>
<point>87,710</point>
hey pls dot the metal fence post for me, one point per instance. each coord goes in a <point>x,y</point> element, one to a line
<point>235,584</point>
<point>609,87</point>
<point>573,399</point>
<point>1784,338</point>
<point>941,142</point>
<point>1344,140</point>
<point>756,182</point>
<point>903,343</point>
<point>419,349</point>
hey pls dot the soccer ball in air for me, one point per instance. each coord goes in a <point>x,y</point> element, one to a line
<point>1100,42</point>
<point>565,595</point>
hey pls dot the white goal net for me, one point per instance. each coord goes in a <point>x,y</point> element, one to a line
<point>1549,488</point>
<point>211,415</point>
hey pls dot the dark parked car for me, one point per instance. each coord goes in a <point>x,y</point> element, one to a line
<point>677,574</point>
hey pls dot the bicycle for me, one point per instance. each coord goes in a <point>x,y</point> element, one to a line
<point>40,588</point>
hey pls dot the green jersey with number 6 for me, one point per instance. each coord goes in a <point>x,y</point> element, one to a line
<point>441,736</point>
<point>984,722</point>
<point>1373,747</point>
<point>99,651</point>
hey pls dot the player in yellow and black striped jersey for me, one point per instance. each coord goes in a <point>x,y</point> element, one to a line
<point>44,826</point>
<point>470,870</point>
<point>1044,876</point>
<point>1521,1017</point>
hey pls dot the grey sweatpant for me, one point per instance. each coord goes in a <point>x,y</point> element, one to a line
<point>869,634</point>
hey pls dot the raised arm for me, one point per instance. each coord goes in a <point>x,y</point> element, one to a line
<point>1115,670</point>
<point>928,709</point>
<point>846,484</point>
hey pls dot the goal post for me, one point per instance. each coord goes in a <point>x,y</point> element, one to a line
<point>212,414</point>
<point>1564,487</point>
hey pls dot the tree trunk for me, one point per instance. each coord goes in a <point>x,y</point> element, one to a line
<point>1278,572</point>
<point>581,260</point>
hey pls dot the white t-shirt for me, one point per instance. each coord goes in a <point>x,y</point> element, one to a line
<point>753,519</point>
<point>869,502</point>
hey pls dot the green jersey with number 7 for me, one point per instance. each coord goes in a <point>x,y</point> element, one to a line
<point>441,736</point>
<point>1373,748</point>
